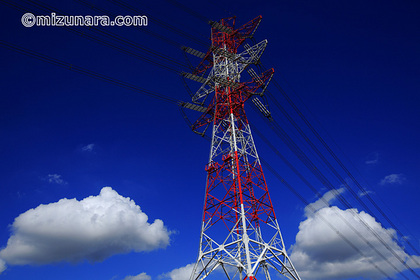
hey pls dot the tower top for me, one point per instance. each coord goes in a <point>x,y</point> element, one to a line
<point>240,234</point>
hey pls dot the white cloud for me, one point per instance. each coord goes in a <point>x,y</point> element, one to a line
<point>141,276</point>
<point>2,266</point>
<point>364,193</point>
<point>372,159</point>
<point>93,229</point>
<point>182,273</point>
<point>322,202</point>
<point>393,179</point>
<point>88,148</point>
<point>55,179</point>
<point>320,253</point>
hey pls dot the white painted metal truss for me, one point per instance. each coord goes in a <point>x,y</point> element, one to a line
<point>245,250</point>
<point>243,254</point>
<point>237,63</point>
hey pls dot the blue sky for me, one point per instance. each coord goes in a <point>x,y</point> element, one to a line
<point>355,65</point>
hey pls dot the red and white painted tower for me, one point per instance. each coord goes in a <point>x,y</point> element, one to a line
<point>240,235</point>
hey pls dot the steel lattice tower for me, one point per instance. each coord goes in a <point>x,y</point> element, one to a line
<point>240,235</point>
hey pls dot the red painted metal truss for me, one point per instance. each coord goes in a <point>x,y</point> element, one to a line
<point>239,93</point>
<point>225,36</point>
<point>240,234</point>
<point>224,195</point>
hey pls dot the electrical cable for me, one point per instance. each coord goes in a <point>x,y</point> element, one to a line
<point>87,72</point>
<point>335,157</point>
<point>328,164</point>
<point>189,10</point>
<point>321,177</point>
<point>151,62</point>
<point>168,59</point>
<point>276,151</point>
<point>162,23</point>
<point>307,204</point>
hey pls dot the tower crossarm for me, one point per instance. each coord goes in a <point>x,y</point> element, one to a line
<point>243,90</point>
<point>194,77</point>
<point>206,63</point>
<point>251,55</point>
<point>238,215</point>
<point>194,107</point>
<point>258,82</point>
<point>193,52</point>
<point>236,38</point>
<point>249,28</point>
<point>222,27</point>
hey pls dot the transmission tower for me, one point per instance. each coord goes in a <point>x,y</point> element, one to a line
<point>240,235</point>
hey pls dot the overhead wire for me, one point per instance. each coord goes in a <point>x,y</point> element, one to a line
<point>322,218</point>
<point>118,38</point>
<point>84,71</point>
<point>355,195</point>
<point>138,28</point>
<point>111,80</point>
<point>125,41</point>
<point>161,23</point>
<point>199,16</point>
<point>313,210</point>
<point>335,157</point>
<point>168,60</point>
<point>169,1</point>
<point>329,165</point>
<point>189,10</point>
<point>335,192</point>
<point>282,134</point>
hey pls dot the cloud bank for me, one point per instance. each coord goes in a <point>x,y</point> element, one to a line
<point>92,229</point>
<point>320,253</point>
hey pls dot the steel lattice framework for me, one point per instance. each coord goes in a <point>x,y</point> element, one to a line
<point>240,235</point>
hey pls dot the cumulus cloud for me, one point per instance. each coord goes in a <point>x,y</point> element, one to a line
<point>2,266</point>
<point>55,179</point>
<point>91,229</point>
<point>182,273</point>
<point>88,148</point>
<point>320,253</point>
<point>141,276</point>
<point>393,179</point>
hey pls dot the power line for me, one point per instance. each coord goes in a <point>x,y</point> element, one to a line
<point>205,19</point>
<point>157,64</point>
<point>320,176</point>
<point>161,23</point>
<point>328,164</point>
<point>289,165</point>
<point>120,39</point>
<point>307,204</point>
<point>87,72</point>
<point>189,10</point>
<point>335,157</point>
